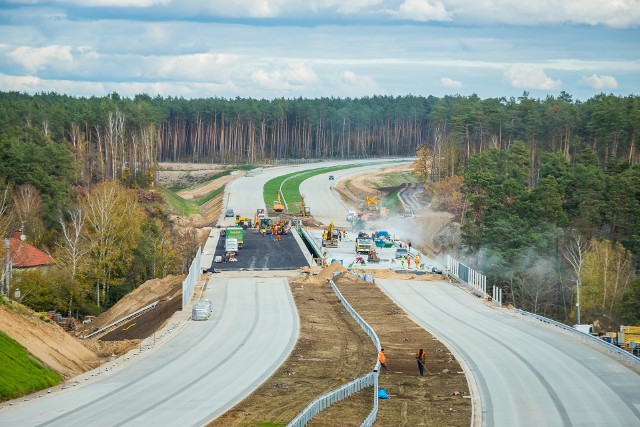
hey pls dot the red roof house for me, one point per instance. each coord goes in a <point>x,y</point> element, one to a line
<point>25,255</point>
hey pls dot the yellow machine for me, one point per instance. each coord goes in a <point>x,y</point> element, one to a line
<point>243,221</point>
<point>305,210</point>
<point>277,204</point>
<point>330,236</point>
<point>372,208</point>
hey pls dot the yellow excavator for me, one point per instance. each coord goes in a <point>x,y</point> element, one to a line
<point>277,204</point>
<point>305,210</point>
<point>330,236</point>
<point>372,208</point>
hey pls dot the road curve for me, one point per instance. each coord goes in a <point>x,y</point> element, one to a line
<point>527,373</point>
<point>321,197</point>
<point>193,377</point>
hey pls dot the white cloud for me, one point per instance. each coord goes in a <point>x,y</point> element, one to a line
<point>348,83</point>
<point>293,76</point>
<point>37,58</point>
<point>600,82</point>
<point>525,76</point>
<point>423,10</point>
<point>447,82</point>
<point>115,3</point>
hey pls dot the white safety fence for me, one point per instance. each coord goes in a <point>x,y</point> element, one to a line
<point>476,280</point>
<point>623,355</point>
<point>326,400</point>
<point>189,283</point>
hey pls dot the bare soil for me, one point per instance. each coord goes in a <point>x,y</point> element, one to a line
<point>333,350</point>
<point>427,228</point>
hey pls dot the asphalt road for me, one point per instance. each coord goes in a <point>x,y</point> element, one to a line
<point>263,252</point>
<point>526,373</point>
<point>195,376</point>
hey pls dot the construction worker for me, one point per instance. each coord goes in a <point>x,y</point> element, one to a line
<point>417,261</point>
<point>339,236</point>
<point>409,262</point>
<point>402,262</point>
<point>383,360</point>
<point>420,359</point>
<point>409,247</point>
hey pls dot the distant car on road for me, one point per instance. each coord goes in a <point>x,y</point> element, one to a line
<point>229,213</point>
<point>402,252</point>
<point>331,178</point>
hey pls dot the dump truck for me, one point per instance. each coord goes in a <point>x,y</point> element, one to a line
<point>235,233</point>
<point>364,243</point>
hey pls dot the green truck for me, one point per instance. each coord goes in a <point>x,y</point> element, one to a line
<point>235,233</point>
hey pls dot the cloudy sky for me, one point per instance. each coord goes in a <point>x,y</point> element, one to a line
<point>315,48</point>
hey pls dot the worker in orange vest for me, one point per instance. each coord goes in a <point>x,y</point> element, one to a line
<point>420,358</point>
<point>383,360</point>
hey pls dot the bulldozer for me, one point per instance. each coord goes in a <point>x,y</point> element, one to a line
<point>330,236</point>
<point>277,204</point>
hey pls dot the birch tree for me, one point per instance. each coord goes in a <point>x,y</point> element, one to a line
<point>113,229</point>
<point>574,252</point>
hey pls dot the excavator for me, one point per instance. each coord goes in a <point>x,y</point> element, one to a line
<point>330,236</point>
<point>372,208</point>
<point>277,204</point>
<point>305,210</point>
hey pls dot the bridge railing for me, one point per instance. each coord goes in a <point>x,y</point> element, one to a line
<point>346,390</point>
<point>610,348</point>
<point>474,279</point>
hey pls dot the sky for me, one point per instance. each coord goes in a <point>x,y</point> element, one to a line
<point>320,48</point>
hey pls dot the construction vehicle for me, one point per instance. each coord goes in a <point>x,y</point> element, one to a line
<point>330,236</point>
<point>373,210</point>
<point>358,222</point>
<point>243,222</point>
<point>373,256</point>
<point>305,210</point>
<point>235,233</point>
<point>277,204</point>
<point>364,243</point>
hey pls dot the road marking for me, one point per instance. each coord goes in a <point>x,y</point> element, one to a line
<point>130,326</point>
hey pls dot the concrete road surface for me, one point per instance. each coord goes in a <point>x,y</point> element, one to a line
<point>325,203</point>
<point>196,375</point>
<point>526,373</point>
<point>244,194</point>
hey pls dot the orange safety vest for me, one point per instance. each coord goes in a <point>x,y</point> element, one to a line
<point>381,357</point>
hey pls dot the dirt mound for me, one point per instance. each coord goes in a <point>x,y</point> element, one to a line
<point>327,273</point>
<point>150,291</point>
<point>110,348</point>
<point>46,341</point>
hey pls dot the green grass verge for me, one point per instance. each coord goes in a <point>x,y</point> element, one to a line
<point>291,188</point>
<point>179,205</point>
<point>201,201</point>
<point>20,373</point>
<point>395,179</point>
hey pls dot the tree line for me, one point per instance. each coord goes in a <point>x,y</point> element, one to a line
<point>551,231</point>
<point>113,137</point>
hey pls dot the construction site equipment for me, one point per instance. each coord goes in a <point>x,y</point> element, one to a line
<point>330,236</point>
<point>235,233</point>
<point>358,223</point>
<point>373,256</point>
<point>305,210</point>
<point>243,222</point>
<point>364,243</point>
<point>277,204</point>
<point>372,208</point>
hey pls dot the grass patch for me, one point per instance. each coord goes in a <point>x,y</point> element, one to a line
<point>291,188</point>
<point>192,182</point>
<point>201,201</point>
<point>20,373</point>
<point>395,179</point>
<point>179,205</point>
<point>392,202</point>
<point>267,424</point>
